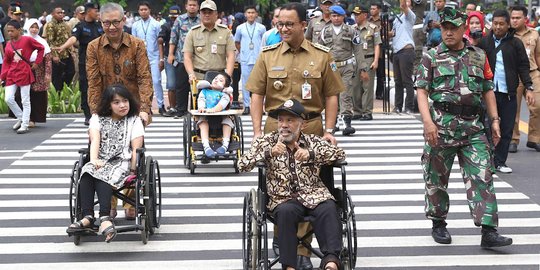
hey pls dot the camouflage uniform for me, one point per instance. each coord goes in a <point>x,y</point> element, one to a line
<point>458,77</point>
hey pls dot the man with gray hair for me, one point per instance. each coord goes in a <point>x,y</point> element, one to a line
<point>117,57</point>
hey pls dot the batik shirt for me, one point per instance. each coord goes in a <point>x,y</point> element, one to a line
<point>179,31</point>
<point>458,77</point>
<point>57,34</point>
<point>287,178</point>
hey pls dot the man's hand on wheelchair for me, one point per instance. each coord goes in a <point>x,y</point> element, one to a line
<point>98,163</point>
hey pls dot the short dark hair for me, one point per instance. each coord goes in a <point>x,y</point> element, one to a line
<point>502,13</point>
<point>104,108</point>
<point>16,24</point>
<point>228,79</point>
<point>299,8</point>
<point>143,3</point>
<point>250,7</point>
<point>520,8</point>
<point>378,5</point>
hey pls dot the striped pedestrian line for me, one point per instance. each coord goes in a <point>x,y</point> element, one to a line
<point>202,215</point>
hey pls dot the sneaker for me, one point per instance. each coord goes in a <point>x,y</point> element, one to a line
<point>179,114</point>
<point>162,110</point>
<point>209,152</point>
<point>397,110</point>
<point>17,125</point>
<point>407,111</point>
<point>512,148</point>
<point>22,130</point>
<point>504,169</point>
<point>221,150</point>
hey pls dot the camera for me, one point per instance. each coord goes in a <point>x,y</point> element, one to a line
<point>476,34</point>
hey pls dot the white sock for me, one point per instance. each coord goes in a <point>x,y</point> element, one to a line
<point>226,143</point>
<point>206,144</point>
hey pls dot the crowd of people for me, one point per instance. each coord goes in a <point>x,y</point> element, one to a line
<point>469,83</point>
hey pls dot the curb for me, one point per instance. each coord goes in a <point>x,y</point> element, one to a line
<point>56,115</point>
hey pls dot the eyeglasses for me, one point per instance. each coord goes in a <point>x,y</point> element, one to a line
<point>288,25</point>
<point>108,23</point>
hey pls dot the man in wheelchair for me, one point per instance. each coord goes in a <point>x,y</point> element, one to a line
<point>295,190</point>
<point>214,97</point>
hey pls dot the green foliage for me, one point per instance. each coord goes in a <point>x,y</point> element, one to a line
<point>3,105</point>
<point>66,101</point>
<point>165,10</point>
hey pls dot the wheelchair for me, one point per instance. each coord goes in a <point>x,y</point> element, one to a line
<point>147,201</point>
<point>192,143</point>
<point>255,216</point>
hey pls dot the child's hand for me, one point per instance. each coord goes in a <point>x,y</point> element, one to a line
<point>98,163</point>
<point>228,90</point>
<point>202,110</point>
<point>202,84</point>
<point>211,110</point>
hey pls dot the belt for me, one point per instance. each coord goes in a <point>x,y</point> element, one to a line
<point>308,116</point>
<point>200,71</point>
<point>455,109</point>
<point>369,56</point>
<point>407,47</point>
<point>346,62</point>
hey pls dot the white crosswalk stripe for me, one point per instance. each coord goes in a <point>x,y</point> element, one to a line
<point>201,225</point>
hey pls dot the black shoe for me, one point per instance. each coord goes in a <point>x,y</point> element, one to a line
<point>246,111</point>
<point>170,113</point>
<point>407,111</point>
<point>162,110</point>
<point>379,97</point>
<point>439,232</point>
<point>491,238</point>
<point>179,114</point>
<point>397,110</point>
<point>357,116</point>
<point>303,263</point>
<point>367,117</point>
<point>86,122</point>
<point>275,246</point>
<point>535,146</point>
<point>513,148</point>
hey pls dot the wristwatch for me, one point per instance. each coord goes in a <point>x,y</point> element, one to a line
<point>330,130</point>
<point>530,88</point>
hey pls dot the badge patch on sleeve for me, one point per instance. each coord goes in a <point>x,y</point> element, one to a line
<point>333,66</point>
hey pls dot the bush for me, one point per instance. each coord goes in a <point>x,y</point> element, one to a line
<point>66,101</point>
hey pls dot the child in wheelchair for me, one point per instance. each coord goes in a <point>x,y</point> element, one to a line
<point>116,131</point>
<point>214,97</point>
<point>295,190</point>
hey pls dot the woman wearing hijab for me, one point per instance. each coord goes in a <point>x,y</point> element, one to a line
<point>475,27</point>
<point>17,72</point>
<point>38,93</point>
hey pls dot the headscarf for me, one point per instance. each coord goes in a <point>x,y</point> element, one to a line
<point>38,38</point>
<point>478,15</point>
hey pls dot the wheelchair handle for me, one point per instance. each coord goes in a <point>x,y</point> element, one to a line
<point>84,151</point>
<point>339,163</point>
<point>260,164</point>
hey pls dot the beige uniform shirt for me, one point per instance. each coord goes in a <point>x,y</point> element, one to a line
<point>531,41</point>
<point>315,27</point>
<point>209,47</point>
<point>370,36</point>
<point>279,74</point>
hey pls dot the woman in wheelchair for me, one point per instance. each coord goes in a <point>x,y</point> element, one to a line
<point>295,190</point>
<point>214,97</point>
<point>115,134</point>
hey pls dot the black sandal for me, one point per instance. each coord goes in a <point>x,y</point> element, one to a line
<point>110,230</point>
<point>79,225</point>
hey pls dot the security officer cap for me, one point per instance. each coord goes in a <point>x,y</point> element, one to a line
<point>453,16</point>
<point>360,10</point>
<point>291,106</point>
<point>324,1</point>
<point>337,10</point>
<point>209,4</point>
<point>174,11</point>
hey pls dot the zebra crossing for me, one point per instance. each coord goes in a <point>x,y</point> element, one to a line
<point>202,213</point>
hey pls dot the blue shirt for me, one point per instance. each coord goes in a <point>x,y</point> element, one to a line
<point>179,31</point>
<point>499,77</point>
<point>1,41</point>
<point>403,31</point>
<point>250,38</point>
<point>148,31</point>
<point>271,37</point>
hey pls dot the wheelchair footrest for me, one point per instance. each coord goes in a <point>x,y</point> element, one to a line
<point>233,146</point>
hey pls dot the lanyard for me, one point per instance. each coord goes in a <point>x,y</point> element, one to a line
<point>252,32</point>
<point>145,30</point>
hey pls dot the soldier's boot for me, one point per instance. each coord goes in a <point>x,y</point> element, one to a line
<point>491,238</point>
<point>439,232</point>
<point>348,130</point>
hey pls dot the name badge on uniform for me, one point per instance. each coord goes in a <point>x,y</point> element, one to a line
<point>213,48</point>
<point>251,46</point>
<point>145,43</point>
<point>306,91</point>
<point>364,45</point>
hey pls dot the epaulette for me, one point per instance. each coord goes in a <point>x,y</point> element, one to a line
<point>222,25</point>
<point>271,47</point>
<point>372,25</point>
<point>321,47</point>
<point>196,26</point>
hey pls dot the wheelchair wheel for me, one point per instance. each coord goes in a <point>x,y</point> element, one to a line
<point>240,132</point>
<point>185,135</point>
<point>149,197</point>
<point>235,164</point>
<point>74,203</point>
<point>349,237</point>
<point>157,194</point>
<point>144,231</point>
<point>250,232</point>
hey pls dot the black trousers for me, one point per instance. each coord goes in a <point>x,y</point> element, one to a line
<point>380,78</point>
<point>403,70</point>
<point>62,72</point>
<point>237,72</point>
<point>182,88</point>
<point>87,188</point>
<point>326,226</point>
<point>83,87</point>
<point>507,109</point>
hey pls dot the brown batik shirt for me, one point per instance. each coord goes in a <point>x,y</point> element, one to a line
<point>287,178</point>
<point>127,65</point>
